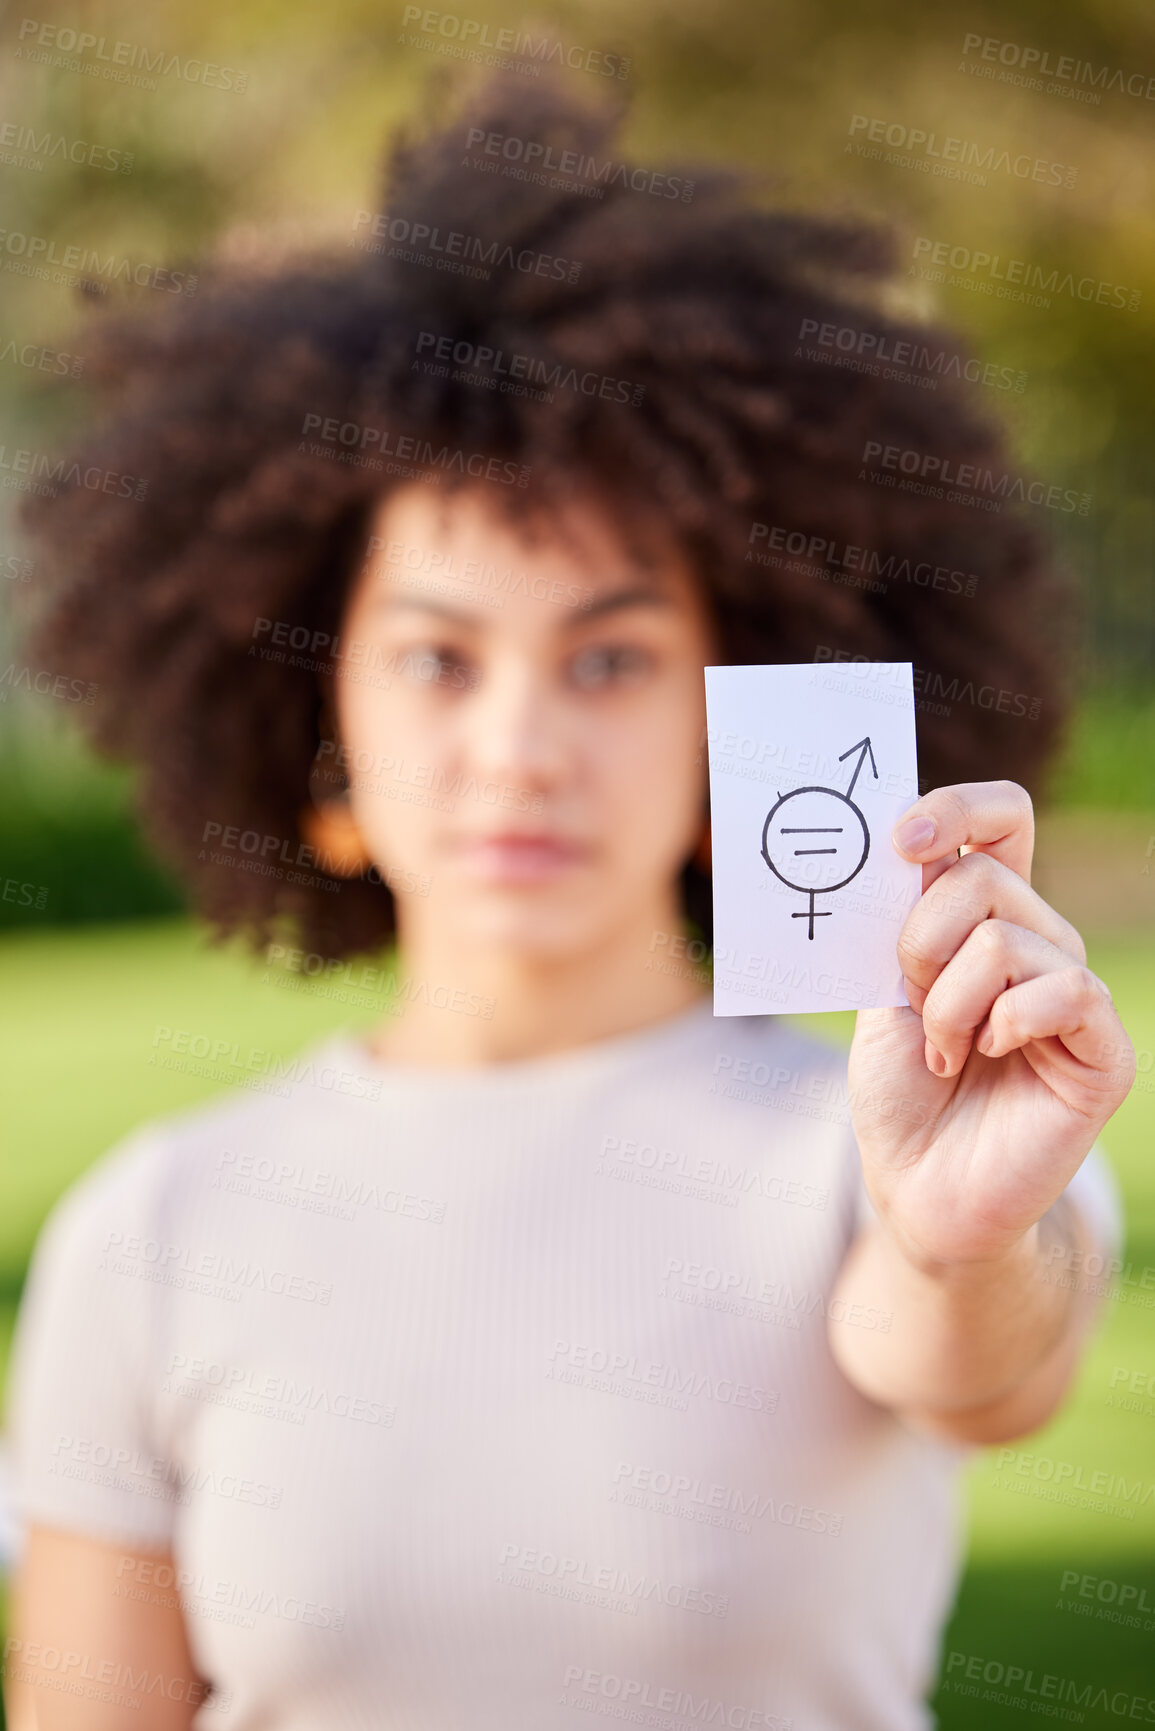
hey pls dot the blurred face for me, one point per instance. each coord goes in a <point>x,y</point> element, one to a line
<point>521,721</point>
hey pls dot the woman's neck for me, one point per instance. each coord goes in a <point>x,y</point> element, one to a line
<point>460,1007</point>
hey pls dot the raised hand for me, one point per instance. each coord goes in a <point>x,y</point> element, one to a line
<point>975,1107</point>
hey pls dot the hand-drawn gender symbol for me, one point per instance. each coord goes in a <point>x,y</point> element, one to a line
<point>818,835</point>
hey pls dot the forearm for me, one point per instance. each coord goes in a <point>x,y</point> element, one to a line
<point>69,1601</point>
<point>976,1353</point>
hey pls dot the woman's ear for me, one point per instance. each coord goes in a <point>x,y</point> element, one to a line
<point>327,823</point>
<point>330,829</point>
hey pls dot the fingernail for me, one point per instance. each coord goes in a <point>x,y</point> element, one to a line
<point>985,1040</point>
<point>935,1059</point>
<point>914,836</point>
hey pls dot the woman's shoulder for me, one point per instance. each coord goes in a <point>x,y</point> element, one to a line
<point>145,1175</point>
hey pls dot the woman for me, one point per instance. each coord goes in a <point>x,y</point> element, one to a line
<point>496,1363</point>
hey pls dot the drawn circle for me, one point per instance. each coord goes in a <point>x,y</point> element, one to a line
<point>815,840</point>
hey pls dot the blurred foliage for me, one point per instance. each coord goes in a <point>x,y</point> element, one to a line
<point>1110,759</point>
<point>71,850</point>
<point>285,162</point>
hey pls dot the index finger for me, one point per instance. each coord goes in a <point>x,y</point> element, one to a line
<point>994,817</point>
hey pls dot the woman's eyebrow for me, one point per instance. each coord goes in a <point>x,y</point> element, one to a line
<point>419,604</point>
<point>636,595</point>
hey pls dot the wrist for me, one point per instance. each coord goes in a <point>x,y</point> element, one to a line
<point>1019,1258</point>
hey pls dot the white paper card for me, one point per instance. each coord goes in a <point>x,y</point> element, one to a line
<point>811,767</point>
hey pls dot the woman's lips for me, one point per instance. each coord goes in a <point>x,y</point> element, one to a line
<point>519,858</point>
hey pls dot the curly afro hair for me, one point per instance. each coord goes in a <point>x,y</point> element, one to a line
<point>781,471</point>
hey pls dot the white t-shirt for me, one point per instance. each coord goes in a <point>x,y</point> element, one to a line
<point>499,1397</point>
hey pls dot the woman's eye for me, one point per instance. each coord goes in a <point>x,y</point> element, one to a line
<point>437,663</point>
<point>608,665</point>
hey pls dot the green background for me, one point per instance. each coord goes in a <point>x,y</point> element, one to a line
<point>88,975</point>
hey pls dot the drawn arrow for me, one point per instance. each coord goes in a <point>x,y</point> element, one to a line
<point>863,747</point>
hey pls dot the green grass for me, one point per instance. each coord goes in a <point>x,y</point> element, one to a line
<point>1107,764</point>
<point>80,1015</point>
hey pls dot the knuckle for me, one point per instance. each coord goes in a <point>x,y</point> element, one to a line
<point>1126,1052</point>
<point>956,802</point>
<point>1118,1063</point>
<point>1089,986</point>
<point>992,937</point>
<point>948,901</point>
<point>936,1024</point>
<point>1121,1051</point>
<point>983,866</point>
<point>1017,797</point>
<point>977,874</point>
<point>915,949</point>
<point>1072,940</point>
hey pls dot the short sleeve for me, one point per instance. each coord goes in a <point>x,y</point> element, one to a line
<point>84,1456</point>
<point>1094,1190</point>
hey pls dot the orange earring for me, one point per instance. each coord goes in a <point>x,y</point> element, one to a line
<point>703,857</point>
<point>327,824</point>
<point>330,829</point>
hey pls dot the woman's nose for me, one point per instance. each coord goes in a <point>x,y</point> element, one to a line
<point>515,727</point>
